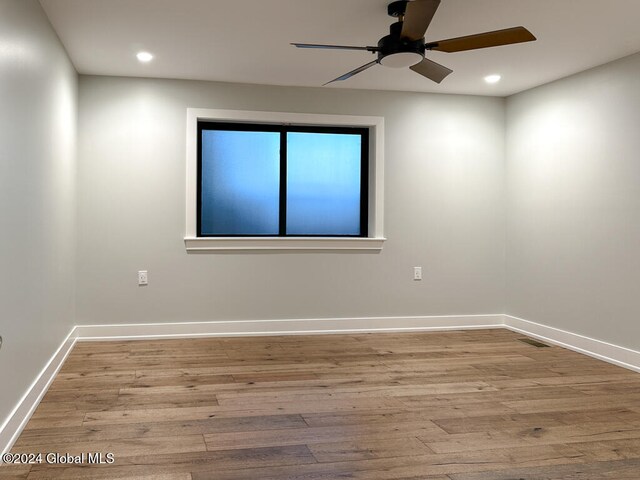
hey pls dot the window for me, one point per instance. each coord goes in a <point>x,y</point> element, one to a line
<point>268,180</point>
<point>283,181</point>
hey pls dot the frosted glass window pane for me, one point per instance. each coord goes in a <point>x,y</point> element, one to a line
<point>323,184</point>
<point>240,183</point>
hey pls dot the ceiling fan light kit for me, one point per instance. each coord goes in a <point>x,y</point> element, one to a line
<point>401,59</point>
<point>405,45</point>
<point>397,52</point>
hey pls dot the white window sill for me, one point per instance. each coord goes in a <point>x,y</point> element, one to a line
<point>231,244</point>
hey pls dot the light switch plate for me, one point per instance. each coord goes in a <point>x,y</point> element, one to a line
<point>143,277</point>
<point>417,273</point>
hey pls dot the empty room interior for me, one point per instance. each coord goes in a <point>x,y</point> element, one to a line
<point>320,239</point>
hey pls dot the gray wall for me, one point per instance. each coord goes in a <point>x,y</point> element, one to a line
<point>37,196</point>
<point>573,227</point>
<point>444,210</point>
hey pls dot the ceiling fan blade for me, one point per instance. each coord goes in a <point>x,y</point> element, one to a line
<point>432,70</point>
<point>483,40</point>
<point>417,18</point>
<point>352,72</point>
<point>334,47</point>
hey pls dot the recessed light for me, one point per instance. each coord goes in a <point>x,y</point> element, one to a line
<point>144,57</point>
<point>492,78</point>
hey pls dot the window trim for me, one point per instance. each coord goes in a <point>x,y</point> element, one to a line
<point>375,186</point>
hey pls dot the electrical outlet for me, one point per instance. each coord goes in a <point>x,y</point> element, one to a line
<point>143,278</point>
<point>417,273</point>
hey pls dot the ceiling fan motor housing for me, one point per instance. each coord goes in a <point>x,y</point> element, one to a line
<point>397,52</point>
<point>397,8</point>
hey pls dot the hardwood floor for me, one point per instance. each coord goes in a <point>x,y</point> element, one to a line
<point>473,405</point>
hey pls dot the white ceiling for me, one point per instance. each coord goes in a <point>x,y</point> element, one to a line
<point>247,41</point>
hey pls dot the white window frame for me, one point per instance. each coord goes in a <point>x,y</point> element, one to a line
<point>374,241</point>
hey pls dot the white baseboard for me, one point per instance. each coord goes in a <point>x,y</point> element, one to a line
<point>621,356</point>
<point>16,421</point>
<point>22,412</point>
<point>305,326</point>
<point>608,352</point>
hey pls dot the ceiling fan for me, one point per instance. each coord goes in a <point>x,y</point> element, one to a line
<point>405,45</point>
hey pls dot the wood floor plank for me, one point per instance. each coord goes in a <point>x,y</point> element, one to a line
<point>610,450</point>
<point>562,434</point>
<point>63,419</point>
<point>170,476</point>
<point>416,467</point>
<point>471,405</point>
<point>122,448</point>
<point>366,447</point>
<point>256,399</point>
<point>575,403</point>
<point>183,463</point>
<point>159,428</point>
<point>617,470</point>
<point>129,379</point>
<point>14,472</point>
<point>388,419</point>
<point>312,435</point>
<point>282,407</point>
<point>483,423</point>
